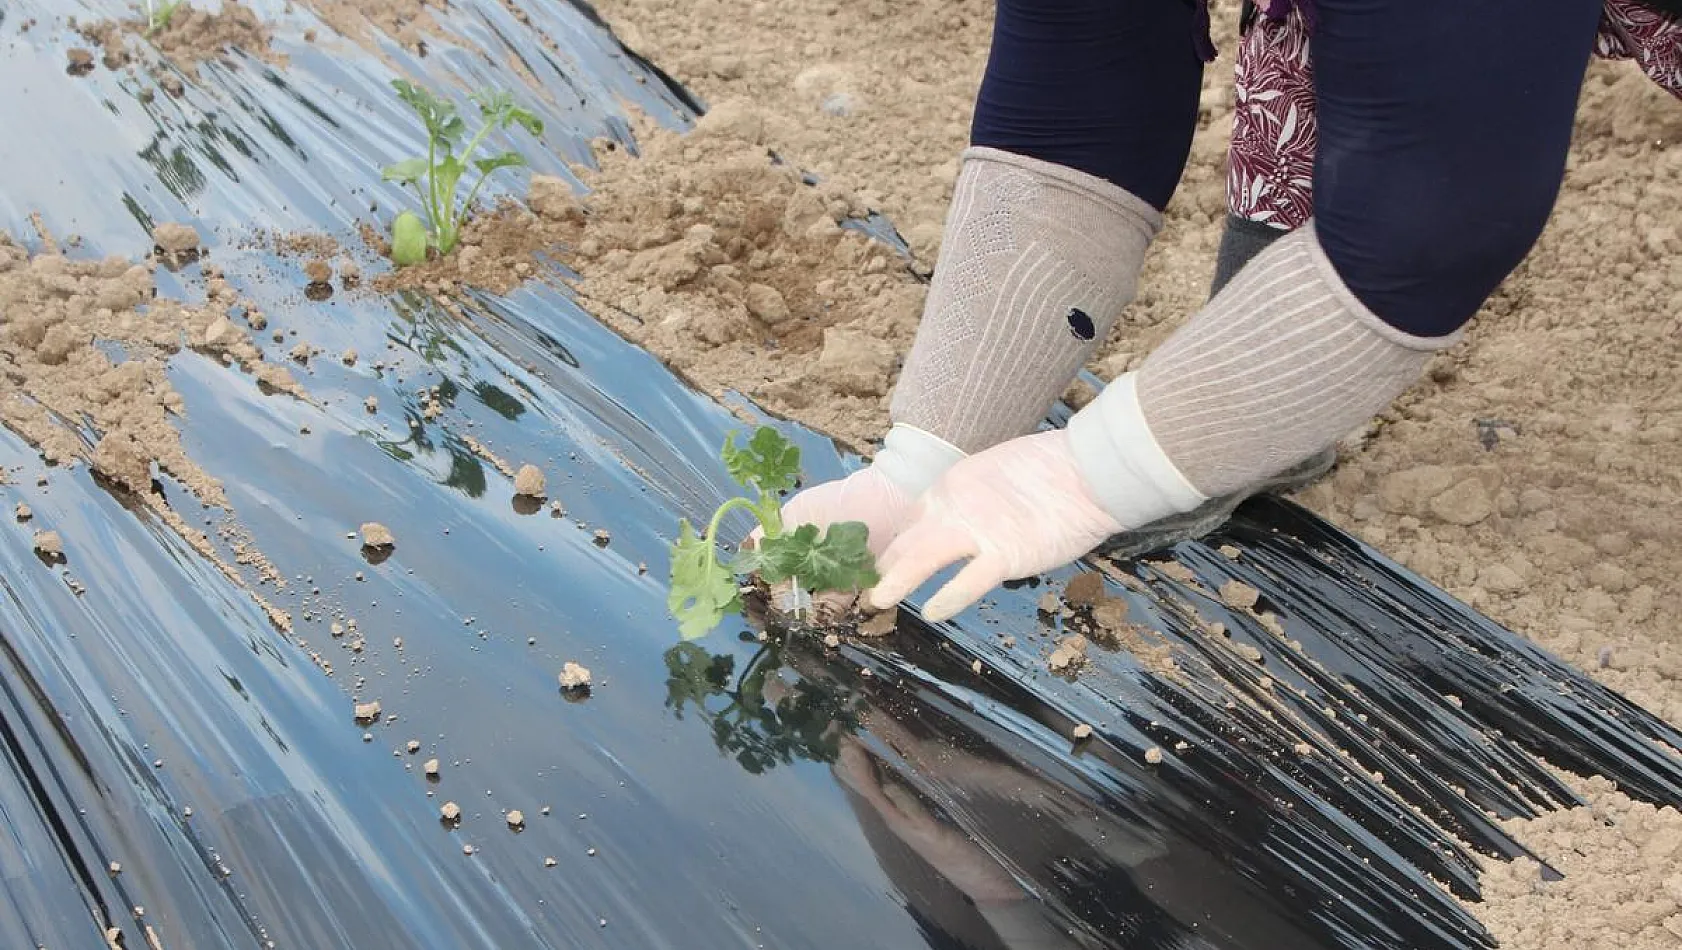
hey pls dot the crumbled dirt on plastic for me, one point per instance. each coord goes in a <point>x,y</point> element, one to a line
<point>1622,862</point>
<point>192,36</point>
<point>59,315</point>
<point>483,451</point>
<point>58,309</point>
<point>409,22</point>
<point>721,262</point>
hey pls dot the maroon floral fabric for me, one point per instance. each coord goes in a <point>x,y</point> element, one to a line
<point>1270,163</point>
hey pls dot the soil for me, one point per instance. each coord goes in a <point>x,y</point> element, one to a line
<point>530,482</point>
<point>192,36</point>
<point>409,22</point>
<point>53,372</point>
<point>1622,863</point>
<point>720,261</point>
<point>1535,473</point>
<point>58,308</point>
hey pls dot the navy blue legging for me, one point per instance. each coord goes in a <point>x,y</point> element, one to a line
<point>1443,126</point>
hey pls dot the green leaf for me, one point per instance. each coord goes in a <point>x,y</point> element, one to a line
<point>449,129</point>
<point>768,461</point>
<point>524,119</point>
<point>839,560</point>
<point>408,240</point>
<point>703,591</point>
<point>414,96</point>
<point>749,561</point>
<point>448,172</point>
<point>493,103</point>
<point>405,172</point>
<point>435,113</point>
<point>494,162</point>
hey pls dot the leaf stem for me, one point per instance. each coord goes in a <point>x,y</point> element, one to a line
<point>432,176</point>
<point>467,160</point>
<point>474,193</point>
<point>718,516</point>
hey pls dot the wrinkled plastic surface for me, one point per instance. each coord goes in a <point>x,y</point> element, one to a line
<point>724,793</point>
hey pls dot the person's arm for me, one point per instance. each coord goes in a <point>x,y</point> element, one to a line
<point>1082,126</point>
<point>1439,162</point>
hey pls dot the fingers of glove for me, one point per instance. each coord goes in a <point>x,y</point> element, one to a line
<point>977,578</point>
<point>917,555</point>
<point>816,505</point>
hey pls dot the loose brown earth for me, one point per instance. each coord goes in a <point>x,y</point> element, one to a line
<point>190,37</point>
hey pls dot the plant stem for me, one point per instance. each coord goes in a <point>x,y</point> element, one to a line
<point>465,205</point>
<point>727,507</point>
<point>432,180</point>
<point>769,510</point>
<point>459,215</point>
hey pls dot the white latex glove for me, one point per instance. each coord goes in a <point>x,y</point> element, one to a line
<point>881,495</point>
<point>866,495</point>
<point>1017,509</point>
<point>1033,504</point>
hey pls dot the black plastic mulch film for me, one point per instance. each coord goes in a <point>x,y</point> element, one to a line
<point>720,794</point>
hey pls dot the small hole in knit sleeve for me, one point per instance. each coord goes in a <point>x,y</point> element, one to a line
<point>1081,325</point>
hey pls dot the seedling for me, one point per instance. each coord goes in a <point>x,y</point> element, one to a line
<point>158,13</point>
<point>704,590</point>
<point>435,176</point>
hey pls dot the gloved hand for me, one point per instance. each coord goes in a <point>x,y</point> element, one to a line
<point>866,495</point>
<point>1016,509</point>
<point>1035,503</point>
<point>880,495</point>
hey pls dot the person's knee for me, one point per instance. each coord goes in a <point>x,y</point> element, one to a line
<point>1422,252</point>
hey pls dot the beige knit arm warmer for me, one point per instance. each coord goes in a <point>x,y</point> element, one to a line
<point>1036,264</point>
<point>1279,365</point>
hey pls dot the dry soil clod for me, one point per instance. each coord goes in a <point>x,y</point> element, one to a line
<point>1084,589</point>
<point>1070,653</point>
<point>529,482</point>
<point>1153,755</point>
<point>177,240</point>
<point>575,678</point>
<point>23,512</point>
<point>1082,731</point>
<point>450,812</point>
<point>881,624</point>
<point>48,544</point>
<point>430,768</point>
<point>377,536</point>
<point>1238,594</point>
<point>516,819</point>
<point>367,712</point>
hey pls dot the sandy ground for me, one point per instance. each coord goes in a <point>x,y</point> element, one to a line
<point>1536,474</point>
